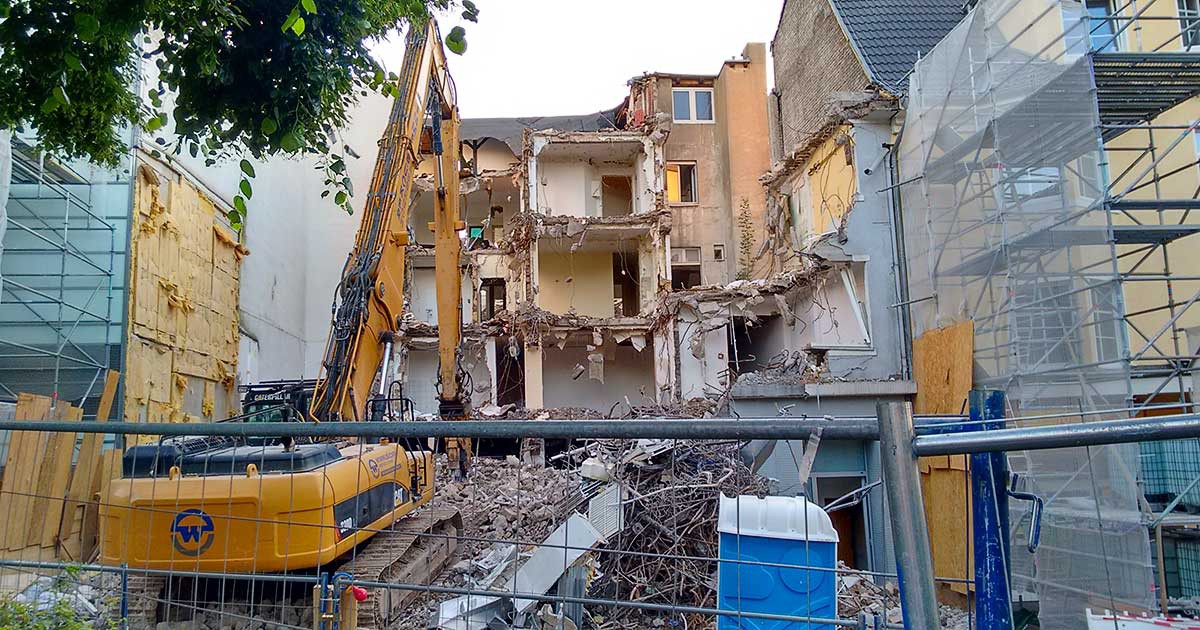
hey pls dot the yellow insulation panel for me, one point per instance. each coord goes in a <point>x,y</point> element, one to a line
<point>183,304</point>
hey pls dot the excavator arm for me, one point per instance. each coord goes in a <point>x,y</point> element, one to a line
<point>369,301</point>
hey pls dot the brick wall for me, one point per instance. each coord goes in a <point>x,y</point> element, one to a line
<point>813,60</point>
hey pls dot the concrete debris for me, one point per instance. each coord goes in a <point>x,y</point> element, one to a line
<point>858,595</point>
<point>46,593</point>
<point>503,502</point>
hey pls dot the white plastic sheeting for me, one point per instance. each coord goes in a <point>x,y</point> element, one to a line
<point>1005,224</point>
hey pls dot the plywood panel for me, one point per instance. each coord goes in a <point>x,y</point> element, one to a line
<point>942,366</point>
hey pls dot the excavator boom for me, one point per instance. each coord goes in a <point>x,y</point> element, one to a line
<point>369,301</point>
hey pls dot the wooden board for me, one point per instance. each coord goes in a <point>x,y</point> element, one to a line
<point>24,454</point>
<point>108,468</point>
<point>84,481</point>
<point>943,363</point>
<point>54,473</point>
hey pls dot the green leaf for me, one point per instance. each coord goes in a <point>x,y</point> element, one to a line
<point>309,5</point>
<point>239,204</point>
<point>290,142</point>
<point>246,189</point>
<point>349,185</point>
<point>60,95</point>
<point>340,197</point>
<point>247,168</point>
<point>291,19</point>
<point>50,105</point>
<point>73,62</point>
<point>87,26</point>
<point>456,41</point>
<point>325,194</point>
<point>193,149</point>
<point>298,26</point>
<point>269,126</point>
<point>156,123</point>
<point>235,219</point>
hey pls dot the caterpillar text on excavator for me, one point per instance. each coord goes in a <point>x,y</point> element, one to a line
<point>322,507</point>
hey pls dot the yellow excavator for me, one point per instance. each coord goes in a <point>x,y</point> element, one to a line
<point>238,506</point>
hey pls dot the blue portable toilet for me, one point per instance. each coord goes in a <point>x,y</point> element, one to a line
<point>780,530</point>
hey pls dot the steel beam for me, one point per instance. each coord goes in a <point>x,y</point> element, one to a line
<point>910,533</point>
<point>1062,436</point>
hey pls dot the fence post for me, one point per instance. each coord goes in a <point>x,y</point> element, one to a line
<point>124,624</point>
<point>989,515</point>
<point>910,533</point>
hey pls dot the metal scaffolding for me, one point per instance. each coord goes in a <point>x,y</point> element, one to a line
<point>62,303</point>
<point>1034,159</point>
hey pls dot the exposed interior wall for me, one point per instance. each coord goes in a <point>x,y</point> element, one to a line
<point>825,190</point>
<point>418,371</point>
<point>182,345</point>
<point>423,295</point>
<point>703,351</point>
<point>492,155</point>
<point>580,282</point>
<point>626,372</point>
<point>833,315</point>
<point>565,189</point>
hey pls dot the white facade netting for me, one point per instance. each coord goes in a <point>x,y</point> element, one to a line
<point>1005,224</point>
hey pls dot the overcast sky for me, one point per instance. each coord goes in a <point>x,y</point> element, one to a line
<point>553,57</point>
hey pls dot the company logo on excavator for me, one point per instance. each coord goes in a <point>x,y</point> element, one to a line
<point>192,532</point>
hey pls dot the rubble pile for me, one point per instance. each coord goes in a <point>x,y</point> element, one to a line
<point>858,595</point>
<point>672,497</point>
<point>502,502</point>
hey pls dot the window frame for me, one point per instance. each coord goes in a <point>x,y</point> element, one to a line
<point>692,119</point>
<point>1189,22</point>
<point>695,184</point>
<point>1114,41</point>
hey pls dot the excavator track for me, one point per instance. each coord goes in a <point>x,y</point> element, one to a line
<point>142,594</point>
<point>415,551</point>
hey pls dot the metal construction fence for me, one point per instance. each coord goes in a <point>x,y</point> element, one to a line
<point>599,524</point>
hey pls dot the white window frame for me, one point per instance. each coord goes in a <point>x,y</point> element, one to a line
<point>692,120</point>
<point>679,256</point>
<point>1189,19</point>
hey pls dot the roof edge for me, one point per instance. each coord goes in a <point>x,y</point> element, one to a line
<point>858,53</point>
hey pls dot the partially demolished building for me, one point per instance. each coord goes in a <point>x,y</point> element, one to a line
<point>651,259</point>
<point>602,249</point>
